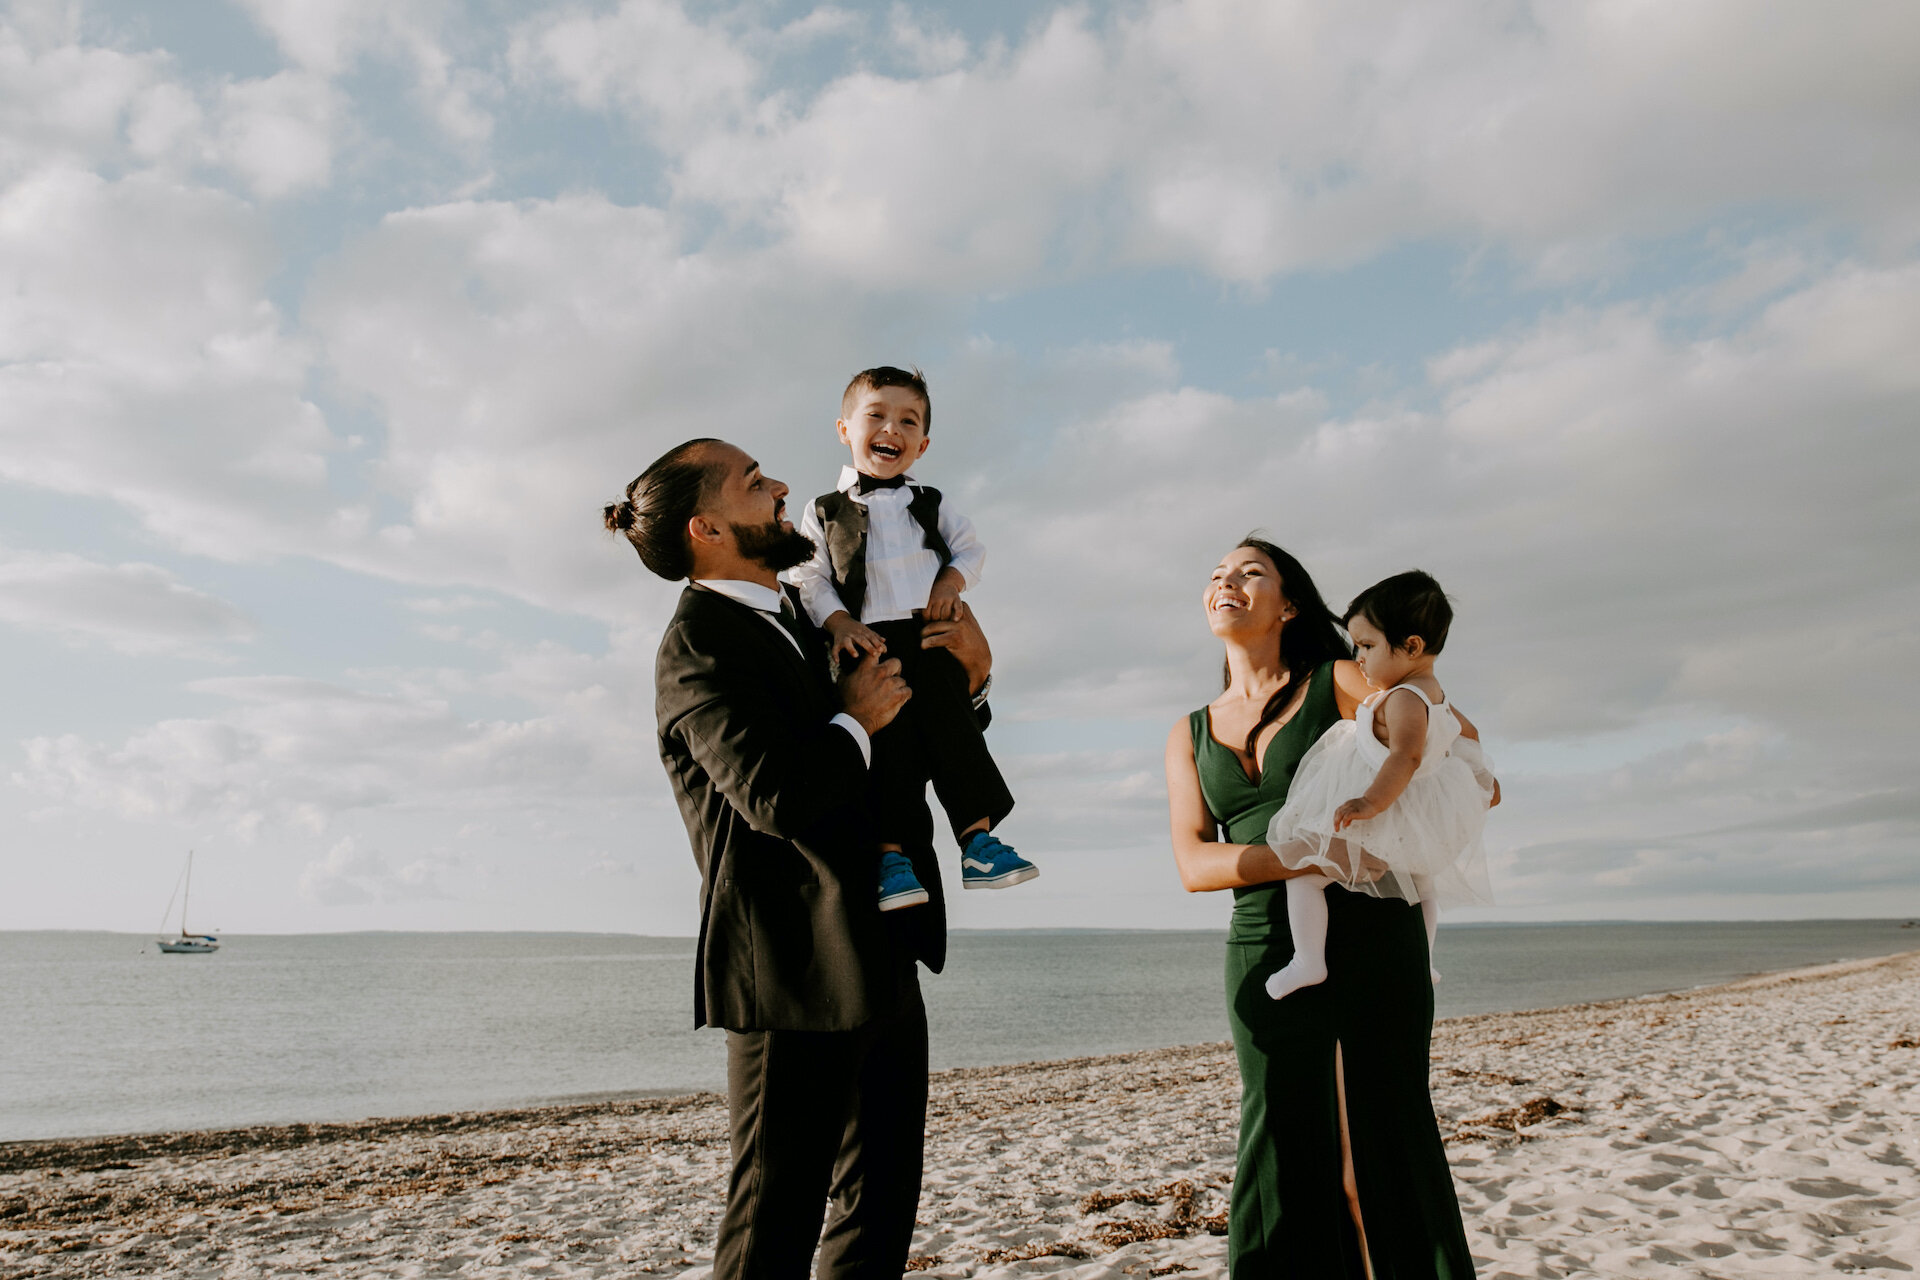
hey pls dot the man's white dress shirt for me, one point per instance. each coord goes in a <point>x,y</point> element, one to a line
<point>900,569</point>
<point>769,603</point>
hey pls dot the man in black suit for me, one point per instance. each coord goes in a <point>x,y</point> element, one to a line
<point>826,1033</point>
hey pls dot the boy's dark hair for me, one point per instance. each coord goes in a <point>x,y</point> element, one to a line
<point>659,503</point>
<point>1406,605</point>
<point>887,376</point>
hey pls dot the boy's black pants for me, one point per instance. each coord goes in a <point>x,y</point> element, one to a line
<point>935,738</point>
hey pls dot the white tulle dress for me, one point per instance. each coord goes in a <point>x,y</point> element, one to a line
<point>1430,838</point>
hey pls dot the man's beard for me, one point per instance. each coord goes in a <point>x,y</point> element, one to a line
<point>770,545</point>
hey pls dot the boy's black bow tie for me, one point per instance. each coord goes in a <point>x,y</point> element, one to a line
<point>869,483</point>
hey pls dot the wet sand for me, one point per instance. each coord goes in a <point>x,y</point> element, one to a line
<point>1763,1128</point>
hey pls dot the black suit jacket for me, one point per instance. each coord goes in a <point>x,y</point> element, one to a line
<point>773,797</point>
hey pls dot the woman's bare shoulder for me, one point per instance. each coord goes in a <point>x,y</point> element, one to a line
<point>1350,687</point>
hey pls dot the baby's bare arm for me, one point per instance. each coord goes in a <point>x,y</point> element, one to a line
<point>1468,731</point>
<point>1405,718</point>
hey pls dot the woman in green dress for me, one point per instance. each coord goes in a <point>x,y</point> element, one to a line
<point>1341,1170</point>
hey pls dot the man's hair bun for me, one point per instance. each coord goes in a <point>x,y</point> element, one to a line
<point>620,516</point>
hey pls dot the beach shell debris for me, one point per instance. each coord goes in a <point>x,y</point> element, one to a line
<point>1766,1127</point>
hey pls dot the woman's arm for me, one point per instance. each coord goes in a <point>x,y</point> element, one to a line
<point>1206,864</point>
<point>1350,687</point>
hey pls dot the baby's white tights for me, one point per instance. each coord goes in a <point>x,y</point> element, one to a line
<point>1307,921</point>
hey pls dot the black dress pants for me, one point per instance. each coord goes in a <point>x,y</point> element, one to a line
<point>819,1117</point>
<point>936,737</point>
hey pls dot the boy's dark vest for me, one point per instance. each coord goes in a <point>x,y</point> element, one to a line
<point>845,523</point>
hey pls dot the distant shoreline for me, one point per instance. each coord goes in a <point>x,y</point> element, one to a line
<point>117,1150</point>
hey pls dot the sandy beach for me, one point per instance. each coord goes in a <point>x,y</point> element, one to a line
<point>1763,1128</point>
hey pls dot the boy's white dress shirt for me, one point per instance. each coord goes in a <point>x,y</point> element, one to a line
<point>900,568</point>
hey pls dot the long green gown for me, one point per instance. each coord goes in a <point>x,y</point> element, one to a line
<point>1288,1214</point>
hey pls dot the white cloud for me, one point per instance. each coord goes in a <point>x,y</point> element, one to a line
<point>1640,528</point>
<point>1623,513</point>
<point>930,48</point>
<point>141,361</point>
<point>277,132</point>
<point>166,126</point>
<point>131,608</point>
<point>1594,456</point>
<point>440,605</point>
<point>647,57</point>
<point>1249,138</point>
<point>64,104</point>
<point>326,38</point>
<point>607,865</point>
<point>60,100</point>
<point>528,359</point>
<point>1691,508</point>
<point>299,755</point>
<point>987,170</point>
<point>350,876</point>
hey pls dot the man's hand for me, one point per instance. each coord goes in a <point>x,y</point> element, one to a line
<point>943,602</point>
<point>961,636</point>
<point>851,637</point>
<point>873,692</point>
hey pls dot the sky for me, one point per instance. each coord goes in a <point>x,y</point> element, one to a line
<point>327,327</point>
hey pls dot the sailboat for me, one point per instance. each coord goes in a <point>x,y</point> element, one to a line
<point>187,944</point>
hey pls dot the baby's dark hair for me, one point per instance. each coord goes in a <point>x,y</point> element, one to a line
<point>1406,605</point>
<point>887,376</point>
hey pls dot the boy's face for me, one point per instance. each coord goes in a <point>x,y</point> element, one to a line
<point>887,430</point>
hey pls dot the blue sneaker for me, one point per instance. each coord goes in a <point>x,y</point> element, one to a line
<point>899,887</point>
<point>986,863</point>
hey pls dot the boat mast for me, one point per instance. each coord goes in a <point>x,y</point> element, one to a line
<point>188,893</point>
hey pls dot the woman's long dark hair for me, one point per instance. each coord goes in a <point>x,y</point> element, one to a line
<point>1312,636</point>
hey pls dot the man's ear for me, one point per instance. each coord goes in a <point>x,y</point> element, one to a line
<point>701,529</point>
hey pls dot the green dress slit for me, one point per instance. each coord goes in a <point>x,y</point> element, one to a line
<point>1288,1212</point>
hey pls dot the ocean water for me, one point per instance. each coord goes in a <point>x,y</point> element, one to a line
<point>101,1034</point>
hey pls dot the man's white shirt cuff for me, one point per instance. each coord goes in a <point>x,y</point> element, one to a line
<point>852,726</point>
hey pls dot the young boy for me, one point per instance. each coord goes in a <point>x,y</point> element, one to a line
<point>888,554</point>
